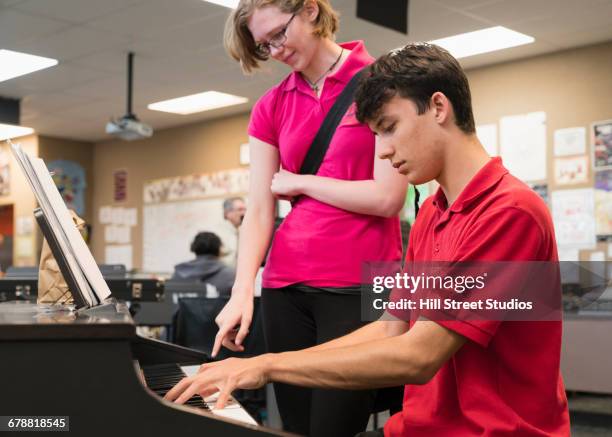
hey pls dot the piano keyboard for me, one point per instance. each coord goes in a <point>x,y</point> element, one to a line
<point>160,378</point>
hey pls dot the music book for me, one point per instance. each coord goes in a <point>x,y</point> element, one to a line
<point>76,262</point>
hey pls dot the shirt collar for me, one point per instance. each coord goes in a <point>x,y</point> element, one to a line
<point>357,59</point>
<point>486,178</point>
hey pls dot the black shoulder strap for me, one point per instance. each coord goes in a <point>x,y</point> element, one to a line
<point>320,144</point>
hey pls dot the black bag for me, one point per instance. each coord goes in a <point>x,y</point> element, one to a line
<point>320,144</point>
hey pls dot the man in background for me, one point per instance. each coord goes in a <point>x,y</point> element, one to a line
<point>234,209</point>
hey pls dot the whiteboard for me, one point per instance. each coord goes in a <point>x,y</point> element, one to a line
<point>169,229</point>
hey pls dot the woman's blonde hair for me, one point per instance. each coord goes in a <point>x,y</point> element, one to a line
<point>239,42</point>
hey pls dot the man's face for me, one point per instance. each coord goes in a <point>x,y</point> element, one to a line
<point>236,215</point>
<point>409,140</point>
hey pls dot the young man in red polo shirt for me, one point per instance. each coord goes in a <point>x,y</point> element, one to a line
<point>487,378</point>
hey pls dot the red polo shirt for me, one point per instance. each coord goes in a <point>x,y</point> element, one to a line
<point>505,380</point>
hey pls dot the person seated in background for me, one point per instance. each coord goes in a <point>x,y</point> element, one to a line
<point>207,266</point>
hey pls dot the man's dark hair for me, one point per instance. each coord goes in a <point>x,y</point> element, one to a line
<point>415,72</point>
<point>206,243</point>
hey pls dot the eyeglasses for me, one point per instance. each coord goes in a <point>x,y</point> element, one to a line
<point>277,40</point>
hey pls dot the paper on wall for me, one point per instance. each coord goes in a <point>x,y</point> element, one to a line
<point>105,215</point>
<point>244,154</point>
<point>570,141</point>
<point>574,218</point>
<point>24,225</point>
<point>119,255</point>
<point>597,256</point>
<point>123,234</point>
<point>117,216</point>
<point>603,202</point>
<point>24,247</point>
<point>523,145</point>
<point>117,234</point>
<point>130,216</point>
<point>110,234</point>
<point>487,134</point>
<point>570,171</point>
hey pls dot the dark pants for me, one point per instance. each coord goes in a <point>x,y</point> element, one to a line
<point>295,320</point>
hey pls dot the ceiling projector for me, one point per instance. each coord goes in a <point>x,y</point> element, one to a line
<point>129,128</point>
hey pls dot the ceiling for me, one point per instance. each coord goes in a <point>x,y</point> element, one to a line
<point>178,47</point>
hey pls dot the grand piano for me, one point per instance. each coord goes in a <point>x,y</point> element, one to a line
<point>92,367</point>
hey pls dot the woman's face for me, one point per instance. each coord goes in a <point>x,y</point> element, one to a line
<point>268,23</point>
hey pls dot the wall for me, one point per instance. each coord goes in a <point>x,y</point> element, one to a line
<point>572,87</point>
<point>197,148</point>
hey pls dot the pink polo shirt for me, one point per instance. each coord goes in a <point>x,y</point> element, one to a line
<point>318,244</point>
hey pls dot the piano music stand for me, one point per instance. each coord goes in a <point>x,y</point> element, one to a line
<point>77,294</point>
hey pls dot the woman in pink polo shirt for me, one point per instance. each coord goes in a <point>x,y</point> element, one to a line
<point>345,215</point>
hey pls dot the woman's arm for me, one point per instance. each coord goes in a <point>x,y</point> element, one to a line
<point>382,196</point>
<point>255,234</point>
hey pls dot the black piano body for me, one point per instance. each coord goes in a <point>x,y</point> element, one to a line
<point>86,365</point>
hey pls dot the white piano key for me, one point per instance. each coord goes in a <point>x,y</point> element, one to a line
<point>232,411</point>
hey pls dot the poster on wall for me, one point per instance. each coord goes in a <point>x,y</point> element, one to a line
<point>603,202</point>
<point>120,185</point>
<point>570,141</point>
<point>602,144</point>
<point>570,171</point>
<point>198,186</point>
<point>573,214</point>
<point>5,172</point>
<point>522,140</point>
<point>69,178</point>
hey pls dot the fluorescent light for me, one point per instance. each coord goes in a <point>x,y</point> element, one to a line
<point>11,131</point>
<point>16,64</point>
<point>197,103</point>
<point>482,41</point>
<point>227,3</point>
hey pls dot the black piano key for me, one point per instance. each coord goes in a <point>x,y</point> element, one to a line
<point>162,377</point>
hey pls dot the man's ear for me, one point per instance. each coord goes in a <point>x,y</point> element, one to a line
<point>443,108</point>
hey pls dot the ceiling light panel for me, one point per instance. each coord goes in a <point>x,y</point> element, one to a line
<point>15,64</point>
<point>483,41</point>
<point>200,102</point>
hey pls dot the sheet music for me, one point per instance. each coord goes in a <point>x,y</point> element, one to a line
<point>79,258</point>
